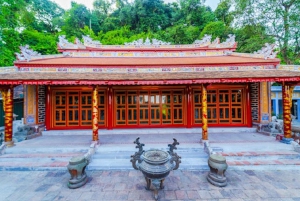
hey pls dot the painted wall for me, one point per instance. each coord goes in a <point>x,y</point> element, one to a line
<point>276,96</point>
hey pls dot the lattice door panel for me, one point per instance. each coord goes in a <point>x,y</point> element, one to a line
<point>59,109</point>
<point>73,109</point>
<point>146,107</point>
<point>224,106</point>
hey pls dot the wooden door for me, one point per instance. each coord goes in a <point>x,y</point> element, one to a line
<point>154,108</point>
<point>225,106</point>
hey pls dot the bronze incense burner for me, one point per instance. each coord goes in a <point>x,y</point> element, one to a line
<point>155,164</point>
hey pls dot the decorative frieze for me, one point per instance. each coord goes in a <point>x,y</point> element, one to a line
<point>140,54</point>
<point>146,70</point>
<point>41,103</point>
<point>254,97</point>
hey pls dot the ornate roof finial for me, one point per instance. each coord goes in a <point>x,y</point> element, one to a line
<point>267,51</point>
<point>64,43</point>
<point>204,41</point>
<point>26,53</point>
<point>147,42</point>
<point>88,41</point>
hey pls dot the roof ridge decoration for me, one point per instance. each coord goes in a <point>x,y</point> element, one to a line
<point>140,42</point>
<point>26,53</point>
<point>267,51</point>
<point>65,44</point>
<point>88,41</point>
<point>205,41</point>
<point>229,42</point>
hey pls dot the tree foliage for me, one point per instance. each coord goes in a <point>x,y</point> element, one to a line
<point>40,22</point>
<point>280,20</point>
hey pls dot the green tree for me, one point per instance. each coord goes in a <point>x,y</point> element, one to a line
<point>9,44</point>
<point>223,13</point>
<point>43,15</point>
<point>281,19</point>
<point>180,34</point>
<point>40,42</point>
<point>215,29</point>
<point>252,38</point>
<point>10,13</point>
<point>195,13</point>
<point>150,15</point>
<point>75,20</point>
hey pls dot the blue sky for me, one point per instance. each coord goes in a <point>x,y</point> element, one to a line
<point>66,4</point>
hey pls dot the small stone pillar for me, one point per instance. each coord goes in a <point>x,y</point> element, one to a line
<point>76,169</point>
<point>218,166</point>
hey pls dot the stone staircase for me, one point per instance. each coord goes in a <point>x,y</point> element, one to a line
<point>266,160</point>
<point>244,150</point>
<point>43,153</point>
<point>111,157</point>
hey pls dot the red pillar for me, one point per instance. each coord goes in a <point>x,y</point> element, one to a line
<point>287,104</point>
<point>189,106</point>
<point>8,120</point>
<point>110,109</point>
<point>204,113</point>
<point>95,114</point>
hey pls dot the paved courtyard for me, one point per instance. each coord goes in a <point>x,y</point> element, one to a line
<point>129,185</point>
<point>260,168</point>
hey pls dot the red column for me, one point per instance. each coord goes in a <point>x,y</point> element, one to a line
<point>110,109</point>
<point>8,121</point>
<point>95,114</point>
<point>189,106</point>
<point>48,115</point>
<point>204,113</point>
<point>248,102</point>
<point>287,103</point>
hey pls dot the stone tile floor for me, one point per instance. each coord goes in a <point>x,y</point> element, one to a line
<point>129,185</point>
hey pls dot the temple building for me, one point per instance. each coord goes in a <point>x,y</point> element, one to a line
<point>147,84</point>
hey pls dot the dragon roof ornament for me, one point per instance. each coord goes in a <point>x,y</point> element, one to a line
<point>88,41</point>
<point>147,42</point>
<point>26,53</point>
<point>229,42</point>
<point>206,40</point>
<point>267,51</point>
<point>64,43</point>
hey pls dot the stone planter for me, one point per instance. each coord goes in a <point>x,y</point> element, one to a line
<point>218,166</point>
<point>76,169</point>
<point>155,164</point>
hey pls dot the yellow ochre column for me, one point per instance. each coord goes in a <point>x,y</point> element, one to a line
<point>204,113</point>
<point>287,92</point>
<point>8,121</point>
<point>95,114</point>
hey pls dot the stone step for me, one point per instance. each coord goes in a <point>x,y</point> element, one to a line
<point>169,131</point>
<point>35,164</point>
<point>46,150</point>
<point>41,155</point>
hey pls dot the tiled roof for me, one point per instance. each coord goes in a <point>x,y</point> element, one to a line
<point>201,61</point>
<point>19,76</point>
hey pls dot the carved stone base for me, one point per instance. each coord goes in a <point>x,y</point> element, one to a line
<point>9,144</point>
<point>216,180</point>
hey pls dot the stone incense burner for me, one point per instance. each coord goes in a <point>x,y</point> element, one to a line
<point>155,164</point>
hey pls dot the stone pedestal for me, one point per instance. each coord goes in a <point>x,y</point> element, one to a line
<point>218,166</point>
<point>76,169</point>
